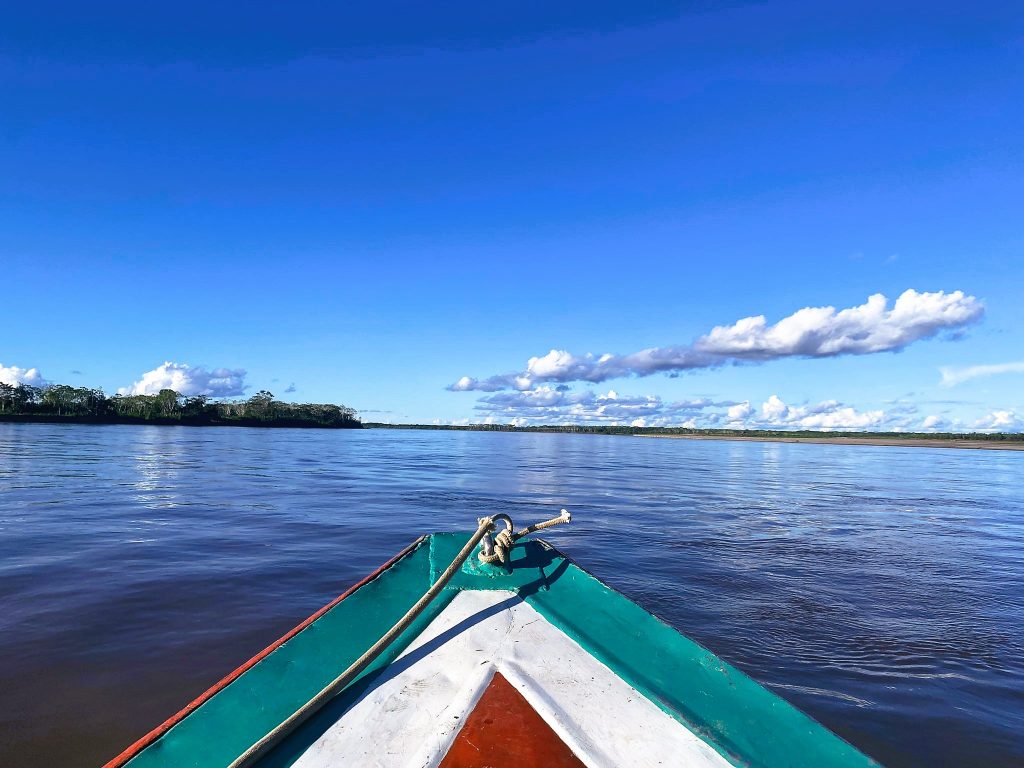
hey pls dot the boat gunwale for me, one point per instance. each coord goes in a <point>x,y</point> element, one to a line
<point>141,744</point>
<point>736,758</point>
<point>736,754</point>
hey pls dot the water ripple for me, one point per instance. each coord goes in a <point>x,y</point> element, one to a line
<point>880,589</point>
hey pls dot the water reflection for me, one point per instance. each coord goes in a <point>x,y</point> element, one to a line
<point>881,589</point>
<point>158,458</point>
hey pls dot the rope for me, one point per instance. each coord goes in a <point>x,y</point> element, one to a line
<point>496,549</point>
<point>485,526</point>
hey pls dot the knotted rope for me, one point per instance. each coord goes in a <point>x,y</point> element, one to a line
<point>495,549</point>
<point>500,547</point>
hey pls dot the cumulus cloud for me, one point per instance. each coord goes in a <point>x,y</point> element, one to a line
<point>1001,421</point>
<point>810,332</point>
<point>826,415</point>
<point>551,405</point>
<point>740,411</point>
<point>953,376</point>
<point>559,405</point>
<point>773,408</point>
<point>547,404</point>
<point>14,375</point>
<point>189,380</point>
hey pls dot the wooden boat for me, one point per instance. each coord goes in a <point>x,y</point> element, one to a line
<point>527,662</point>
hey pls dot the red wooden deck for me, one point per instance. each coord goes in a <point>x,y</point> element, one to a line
<point>504,730</point>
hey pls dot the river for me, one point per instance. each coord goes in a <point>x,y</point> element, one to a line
<point>880,589</point>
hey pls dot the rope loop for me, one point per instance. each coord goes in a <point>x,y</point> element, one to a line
<point>495,549</point>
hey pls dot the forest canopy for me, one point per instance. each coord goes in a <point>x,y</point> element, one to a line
<point>60,402</point>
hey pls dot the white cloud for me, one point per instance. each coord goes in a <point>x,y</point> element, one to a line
<point>14,375</point>
<point>774,409</point>
<point>840,418</point>
<point>739,411</point>
<point>810,332</point>
<point>827,415</point>
<point>189,380</point>
<point>560,405</point>
<point>1001,421</point>
<point>953,376</point>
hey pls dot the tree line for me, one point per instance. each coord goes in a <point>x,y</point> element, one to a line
<point>60,402</point>
<point>615,429</point>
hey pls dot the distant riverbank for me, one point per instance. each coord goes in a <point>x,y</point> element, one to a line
<point>283,415</point>
<point>61,404</point>
<point>976,440</point>
<point>912,442</point>
<point>279,423</point>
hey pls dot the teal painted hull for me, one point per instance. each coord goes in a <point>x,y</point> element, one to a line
<point>741,720</point>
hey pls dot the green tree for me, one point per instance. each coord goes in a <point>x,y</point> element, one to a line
<point>167,403</point>
<point>26,397</point>
<point>260,405</point>
<point>194,407</point>
<point>6,397</point>
<point>71,402</point>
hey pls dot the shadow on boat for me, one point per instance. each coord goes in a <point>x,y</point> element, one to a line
<point>536,555</point>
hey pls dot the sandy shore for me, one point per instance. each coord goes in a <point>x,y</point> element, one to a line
<point>984,445</point>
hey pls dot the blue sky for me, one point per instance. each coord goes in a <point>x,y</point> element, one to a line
<point>370,204</point>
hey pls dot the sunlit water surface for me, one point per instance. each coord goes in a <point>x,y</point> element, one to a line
<point>879,589</point>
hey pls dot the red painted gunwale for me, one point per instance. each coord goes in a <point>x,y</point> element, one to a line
<point>193,705</point>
